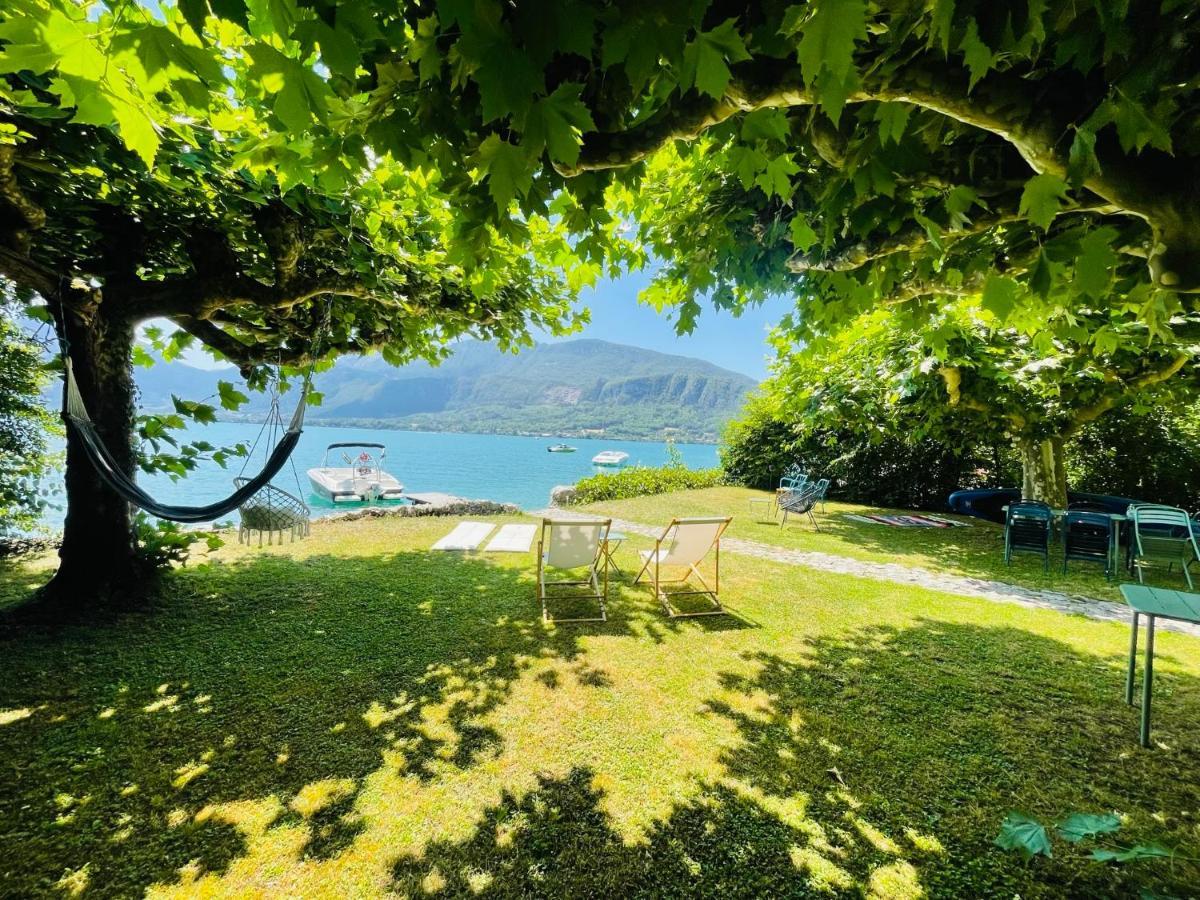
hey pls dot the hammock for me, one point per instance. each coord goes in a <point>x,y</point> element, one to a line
<point>112,475</point>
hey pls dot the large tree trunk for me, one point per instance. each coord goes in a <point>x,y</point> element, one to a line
<point>1043,470</point>
<point>98,554</point>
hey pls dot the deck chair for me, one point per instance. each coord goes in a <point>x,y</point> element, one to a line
<point>684,545</point>
<point>572,544</point>
<point>1162,534</point>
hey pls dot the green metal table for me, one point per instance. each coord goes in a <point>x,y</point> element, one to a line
<point>1153,603</point>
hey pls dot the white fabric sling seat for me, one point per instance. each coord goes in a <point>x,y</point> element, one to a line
<point>684,545</point>
<point>570,545</point>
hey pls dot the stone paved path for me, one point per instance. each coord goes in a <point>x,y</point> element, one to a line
<point>997,591</point>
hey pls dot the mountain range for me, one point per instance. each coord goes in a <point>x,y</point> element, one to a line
<point>584,388</point>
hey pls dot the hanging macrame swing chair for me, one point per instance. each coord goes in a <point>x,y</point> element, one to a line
<point>272,510</point>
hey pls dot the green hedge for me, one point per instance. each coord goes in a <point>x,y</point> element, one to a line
<point>644,480</point>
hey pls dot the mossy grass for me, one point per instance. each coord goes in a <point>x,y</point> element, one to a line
<point>353,715</point>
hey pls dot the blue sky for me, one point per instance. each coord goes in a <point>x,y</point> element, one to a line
<point>734,343</point>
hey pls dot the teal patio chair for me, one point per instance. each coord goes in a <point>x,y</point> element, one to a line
<point>1162,534</point>
<point>820,489</point>
<point>799,503</point>
<point>1027,530</point>
<point>1088,537</point>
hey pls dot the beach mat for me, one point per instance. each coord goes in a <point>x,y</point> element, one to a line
<point>912,521</point>
<point>465,536</point>
<point>512,539</point>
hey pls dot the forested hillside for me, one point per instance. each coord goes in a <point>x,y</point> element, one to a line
<point>583,387</point>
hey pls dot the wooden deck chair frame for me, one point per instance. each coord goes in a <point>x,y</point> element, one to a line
<point>597,575</point>
<point>713,593</point>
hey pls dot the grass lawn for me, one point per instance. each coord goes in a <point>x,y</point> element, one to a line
<point>354,716</point>
<point>977,551</point>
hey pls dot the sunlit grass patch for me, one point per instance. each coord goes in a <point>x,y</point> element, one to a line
<point>383,720</point>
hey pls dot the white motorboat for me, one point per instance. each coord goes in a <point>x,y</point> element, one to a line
<point>610,458</point>
<point>362,478</point>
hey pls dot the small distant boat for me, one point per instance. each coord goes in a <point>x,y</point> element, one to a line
<point>560,448</point>
<point>610,458</point>
<point>361,480</point>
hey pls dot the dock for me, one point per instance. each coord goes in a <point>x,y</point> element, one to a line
<point>435,499</point>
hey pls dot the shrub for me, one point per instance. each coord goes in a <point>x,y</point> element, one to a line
<point>162,544</point>
<point>879,469</point>
<point>643,480</point>
<point>1151,455</point>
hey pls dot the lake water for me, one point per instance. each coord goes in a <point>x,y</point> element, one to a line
<point>505,468</point>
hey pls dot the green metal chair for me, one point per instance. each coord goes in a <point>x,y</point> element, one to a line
<point>1163,534</point>
<point>1027,530</point>
<point>1087,537</point>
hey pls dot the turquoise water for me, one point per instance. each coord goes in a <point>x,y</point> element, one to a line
<point>505,468</point>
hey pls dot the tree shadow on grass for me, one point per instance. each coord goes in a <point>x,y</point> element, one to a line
<point>133,739</point>
<point>883,766</point>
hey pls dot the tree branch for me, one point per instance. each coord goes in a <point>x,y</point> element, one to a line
<point>1148,379</point>
<point>1001,104</point>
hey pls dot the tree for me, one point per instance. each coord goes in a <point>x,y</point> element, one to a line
<point>963,378</point>
<point>24,424</point>
<point>104,230</point>
<point>866,154</point>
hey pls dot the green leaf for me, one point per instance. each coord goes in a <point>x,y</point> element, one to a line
<point>300,95</point>
<point>1135,127</point>
<point>1097,258</point>
<point>1132,854</point>
<point>339,49</point>
<point>999,297</point>
<point>507,79</point>
<point>508,170</point>
<point>941,18</point>
<point>706,59</point>
<point>958,203</point>
<point>1082,162</point>
<point>1043,198</point>
<point>776,178</point>
<point>747,163</point>
<point>826,50</point>
<point>802,234</point>
<point>765,125</point>
<point>977,55</point>
<point>1085,825</point>
<point>1041,276</point>
<point>423,49</point>
<point>557,123</point>
<point>1025,835</point>
<point>195,12</point>
<point>231,397</point>
<point>892,119</point>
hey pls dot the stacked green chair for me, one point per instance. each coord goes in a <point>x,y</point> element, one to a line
<point>1027,530</point>
<point>1162,534</point>
<point>1087,537</point>
<point>820,489</point>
